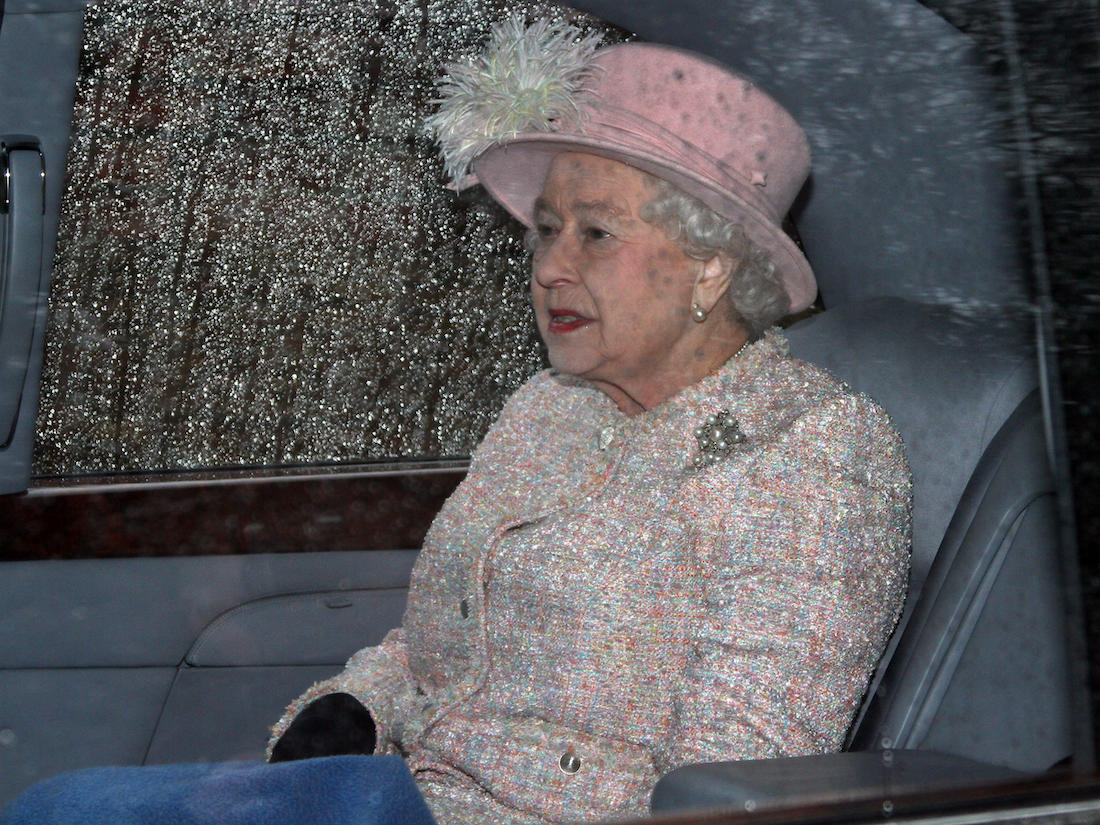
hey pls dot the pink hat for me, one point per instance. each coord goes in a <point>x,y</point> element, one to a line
<point>677,115</point>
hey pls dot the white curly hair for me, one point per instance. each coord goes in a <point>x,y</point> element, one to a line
<point>755,296</point>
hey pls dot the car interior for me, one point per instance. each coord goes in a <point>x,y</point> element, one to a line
<point>143,656</point>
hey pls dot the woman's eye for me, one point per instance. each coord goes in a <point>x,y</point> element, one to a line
<point>596,234</point>
<point>545,230</point>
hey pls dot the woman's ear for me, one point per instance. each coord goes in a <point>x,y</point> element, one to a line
<point>713,280</point>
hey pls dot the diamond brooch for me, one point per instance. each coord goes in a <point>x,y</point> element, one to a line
<point>717,436</point>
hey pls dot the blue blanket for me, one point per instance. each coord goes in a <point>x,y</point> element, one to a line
<point>335,790</point>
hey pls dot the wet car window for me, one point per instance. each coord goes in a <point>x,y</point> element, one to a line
<point>243,275</point>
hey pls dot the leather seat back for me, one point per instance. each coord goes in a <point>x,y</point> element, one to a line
<point>979,665</point>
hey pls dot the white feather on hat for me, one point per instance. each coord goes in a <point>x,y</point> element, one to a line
<point>528,79</point>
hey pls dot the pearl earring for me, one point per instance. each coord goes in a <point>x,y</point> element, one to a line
<point>698,314</point>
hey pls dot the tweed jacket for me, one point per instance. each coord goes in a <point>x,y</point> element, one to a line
<point>590,610</point>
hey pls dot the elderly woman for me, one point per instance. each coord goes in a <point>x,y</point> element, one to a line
<point>678,543</point>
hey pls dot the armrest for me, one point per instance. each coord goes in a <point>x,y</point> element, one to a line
<point>834,777</point>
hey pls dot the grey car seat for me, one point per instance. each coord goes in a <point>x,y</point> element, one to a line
<point>977,678</point>
<point>982,636</point>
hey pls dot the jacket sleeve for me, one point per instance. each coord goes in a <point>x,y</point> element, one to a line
<point>379,677</point>
<point>799,591</point>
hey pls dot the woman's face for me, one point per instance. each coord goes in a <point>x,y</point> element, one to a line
<point>612,294</point>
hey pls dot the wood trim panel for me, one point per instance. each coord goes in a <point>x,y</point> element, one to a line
<point>225,516</point>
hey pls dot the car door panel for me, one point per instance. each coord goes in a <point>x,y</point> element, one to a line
<point>174,659</point>
<point>215,714</point>
<point>39,47</point>
<point>151,612</point>
<point>59,719</point>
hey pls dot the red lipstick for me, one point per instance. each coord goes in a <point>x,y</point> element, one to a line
<point>565,320</point>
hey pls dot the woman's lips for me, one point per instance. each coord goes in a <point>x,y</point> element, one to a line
<point>564,320</point>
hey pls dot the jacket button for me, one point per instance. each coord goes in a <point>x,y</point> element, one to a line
<point>569,762</point>
<point>464,609</point>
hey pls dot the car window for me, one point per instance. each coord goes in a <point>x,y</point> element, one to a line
<point>257,264</point>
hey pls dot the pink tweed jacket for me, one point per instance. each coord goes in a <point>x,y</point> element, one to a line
<point>590,610</point>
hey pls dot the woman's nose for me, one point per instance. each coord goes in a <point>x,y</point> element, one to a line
<point>554,262</point>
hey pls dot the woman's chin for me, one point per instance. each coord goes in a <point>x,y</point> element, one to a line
<point>568,363</point>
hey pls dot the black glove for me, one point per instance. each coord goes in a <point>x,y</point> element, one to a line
<point>333,725</point>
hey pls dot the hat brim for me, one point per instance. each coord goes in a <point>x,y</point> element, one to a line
<point>515,172</point>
